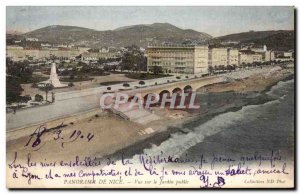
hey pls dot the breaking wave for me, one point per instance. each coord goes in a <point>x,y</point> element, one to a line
<point>178,143</point>
<point>279,87</point>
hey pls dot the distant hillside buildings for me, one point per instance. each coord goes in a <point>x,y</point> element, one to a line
<point>196,59</point>
<point>32,39</point>
<point>17,53</point>
<point>103,53</point>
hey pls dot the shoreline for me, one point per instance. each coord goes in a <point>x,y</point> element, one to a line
<point>159,137</point>
<point>110,145</point>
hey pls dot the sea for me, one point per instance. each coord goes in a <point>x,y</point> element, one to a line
<point>244,125</point>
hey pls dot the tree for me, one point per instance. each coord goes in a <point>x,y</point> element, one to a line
<point>157,69</point>
<point>234,67</point>
<point>133,59</point>
<point>229,68</point>
<point>38,98</point>
<point>210,69</point>
<point>217,68</point>
<point>47,87</point>
<point>70,84</point>
<point>13,89</point>
<point>19,70</point>
<point>34,85</point>
<point>25,99</point>
<point>222,67</point>
<point>71,76</point>
<point>243,65</point>
<point>143,75</point>
<point>106,68</point>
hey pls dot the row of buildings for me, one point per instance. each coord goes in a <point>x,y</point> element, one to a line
<point>103,53</point>
<point>188,59</point>
<point>18,53</point>
<point>196,59</point>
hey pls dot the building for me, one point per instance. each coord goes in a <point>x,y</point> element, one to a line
<point>233,58</point>
<point>178,58</point>
<point>17,53</point>
<point>96,54</point>
<point>32,39</point>
<point>201,59</point>
<point>283,55</point>
<point>288,54</point>
<point>219,56</point>
<point>196,59</point>
<point>266,55</point>
<point>249,57</point>
<point>269,56</point>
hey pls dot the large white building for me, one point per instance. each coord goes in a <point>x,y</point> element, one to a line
<point>178,58</point>
<point>196,59</point>
<point>233,57</point>
<point>219,56</point>
<point>103,53</point>
<point>249,56</point>
<point>17,53</point>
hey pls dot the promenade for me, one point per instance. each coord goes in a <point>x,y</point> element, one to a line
<point>76,102</point>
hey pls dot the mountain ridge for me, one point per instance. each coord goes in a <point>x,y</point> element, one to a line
<point>273,39</point>
<point>140,34</point>
<point>143,34</point>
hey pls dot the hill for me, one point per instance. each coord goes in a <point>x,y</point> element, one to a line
<point>277,40</point>
<point>282,41</point>
<point>140,35</point>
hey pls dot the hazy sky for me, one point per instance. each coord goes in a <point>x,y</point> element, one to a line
<point>215,21</point>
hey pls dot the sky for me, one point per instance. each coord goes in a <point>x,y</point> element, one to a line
<point>216,21</point>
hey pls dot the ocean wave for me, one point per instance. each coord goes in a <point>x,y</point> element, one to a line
<point>280,86</point>
<point>178,143</point>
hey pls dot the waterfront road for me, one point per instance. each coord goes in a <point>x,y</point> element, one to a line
<point>69,103</point>
<point>75,102</point>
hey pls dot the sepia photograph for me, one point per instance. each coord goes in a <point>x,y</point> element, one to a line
<point>150,97</point>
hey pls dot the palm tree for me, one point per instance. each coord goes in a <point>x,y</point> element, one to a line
<point>228,68</point>
<point>234,67</point>
<point>217,68</point>
<point>222,68</point>
<point>157,69</point>
<point>243,65</point>
<point>210,69</point>
<point>47,88</point>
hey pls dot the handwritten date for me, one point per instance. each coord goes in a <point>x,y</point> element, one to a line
<point>56,134</point>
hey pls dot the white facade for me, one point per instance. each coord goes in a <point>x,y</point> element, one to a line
<point>178,58</point>
<point>233,57</point>
<point>219,56</point>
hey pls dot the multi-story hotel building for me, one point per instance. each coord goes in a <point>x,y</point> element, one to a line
<point>249,56</point>
<point>178,58</point>
<point>196,59</point>
<point>17,53</point>
<point>94,56</point>
<point>233,57</point>
<point>219,56</point>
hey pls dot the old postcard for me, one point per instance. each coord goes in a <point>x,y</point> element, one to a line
<point>150,97</point>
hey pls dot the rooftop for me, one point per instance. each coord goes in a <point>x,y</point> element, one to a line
<point>174,46</point>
